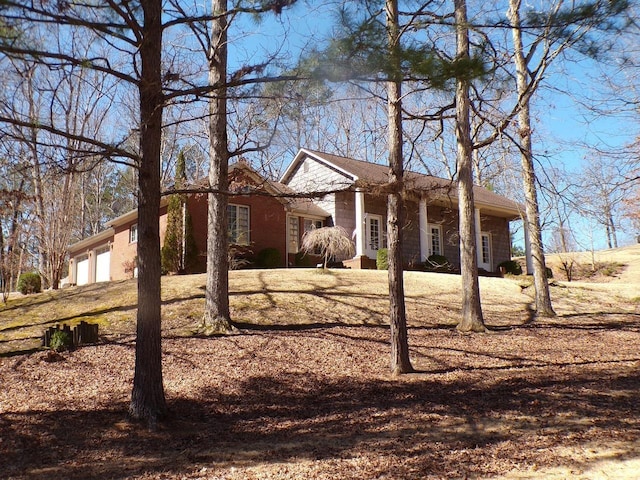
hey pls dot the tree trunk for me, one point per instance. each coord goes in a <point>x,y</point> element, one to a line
<point>543,297</point>
<point>147,398</point>
<point>472,320</point>
<point>400,362</point>
<point>217,318</point>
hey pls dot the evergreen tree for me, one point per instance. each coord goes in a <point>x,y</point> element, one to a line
<point>179,251</point>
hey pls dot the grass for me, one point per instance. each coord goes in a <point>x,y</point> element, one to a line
<point>260,298</point>
<point>304,389</point>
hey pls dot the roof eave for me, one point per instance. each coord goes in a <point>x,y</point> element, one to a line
<point>85,242</point>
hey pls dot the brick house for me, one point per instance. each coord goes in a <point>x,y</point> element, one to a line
<point>341,191</point>
<point>355,200</point>
<point>262,214</point>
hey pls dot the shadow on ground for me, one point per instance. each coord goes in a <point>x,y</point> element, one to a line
<point>419,426</point>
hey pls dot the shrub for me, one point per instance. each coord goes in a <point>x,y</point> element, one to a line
<point>60,341</point>
<point>511,267</point>
<point>302,260</point>
<point>239,257</point>
<point>382,259</point>
<point>549,272</point>
<point>29,283</point>
<point>130,266</point>
<point>437,261</point>
<point>268,258</point>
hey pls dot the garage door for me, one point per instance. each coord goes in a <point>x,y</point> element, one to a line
<point>103,262</point>
<point>82,270</point>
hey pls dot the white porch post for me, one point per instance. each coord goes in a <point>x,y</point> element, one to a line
<point>360,227</point>
<point>423,222</point>
<point>527,247</point>
<point>478,236</point>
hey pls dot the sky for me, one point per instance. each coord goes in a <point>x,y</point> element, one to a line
<point>565,133</point>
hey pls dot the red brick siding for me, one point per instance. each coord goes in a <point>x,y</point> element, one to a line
<point>267,223</point>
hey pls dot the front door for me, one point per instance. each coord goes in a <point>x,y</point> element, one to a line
<point>374,234</point>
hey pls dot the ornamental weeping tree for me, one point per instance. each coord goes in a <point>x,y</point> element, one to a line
<point>331,242</point>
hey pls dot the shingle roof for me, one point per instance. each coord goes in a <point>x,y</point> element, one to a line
<point>438,188</point>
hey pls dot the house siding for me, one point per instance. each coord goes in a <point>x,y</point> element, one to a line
<point>500,238</point>
<point>411,235</point>
<point>314,176</point>
<point>123,251</point>
<point>267,224</point>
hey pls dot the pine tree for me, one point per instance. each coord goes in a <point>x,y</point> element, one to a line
<point>179,251</point>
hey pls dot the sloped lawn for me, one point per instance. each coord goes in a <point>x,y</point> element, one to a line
<point>303,390</point>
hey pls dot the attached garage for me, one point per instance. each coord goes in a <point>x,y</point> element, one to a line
<point>103,264</point>
<point>82,270</point>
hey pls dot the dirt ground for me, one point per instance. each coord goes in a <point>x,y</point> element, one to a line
<point>551,398</point>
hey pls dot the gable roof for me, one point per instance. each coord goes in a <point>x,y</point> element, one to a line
<point>290,199</point>
<point>437,190</point>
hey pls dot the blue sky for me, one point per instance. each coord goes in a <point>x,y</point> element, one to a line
<point>565,130</point>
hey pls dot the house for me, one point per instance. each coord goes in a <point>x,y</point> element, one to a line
<point>355,200</point>
<point>262,214</point>
<point>317,189</point>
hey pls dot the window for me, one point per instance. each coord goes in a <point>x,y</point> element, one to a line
<point>374,232</point>
<point>294,234</point>
<point>436,242</point>
<point>238,224</point>
<point>486,248</point>
<point>310,224</point>
<point>133,233</point>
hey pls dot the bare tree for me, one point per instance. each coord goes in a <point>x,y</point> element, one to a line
<point>330,242</point>
<point>532,217</point>
<point>131,33</point>
<point>400,362</point>
<point>217,318</point>
<point>472,320</point>
<point>602,191</point>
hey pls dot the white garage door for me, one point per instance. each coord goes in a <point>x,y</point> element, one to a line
<point>82,270</point>
<point>103,262</point>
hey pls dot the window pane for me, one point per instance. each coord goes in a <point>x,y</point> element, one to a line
<point>238,229</point>
<point>374,234</point>
<point>243,225</point>
<point>232,228</point>
<point>435,241</point>
<point>294,235</point>
<point>486,249</point>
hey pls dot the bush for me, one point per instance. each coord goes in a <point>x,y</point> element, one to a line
<point>130,266</point>
<point>60,341</point>
<point>511,267</point>
<point>302,260</point>
<point>239,257</point>
<point>382,259</point>
<point>269,258</point>
<point>549,272</point>
<point>437,261</point>
<point>29,283</point>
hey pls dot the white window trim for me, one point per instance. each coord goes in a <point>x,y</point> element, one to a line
<point>133,233</point>
<point>293,243</point>
<point>237,207</point>
<point>433,227</point>
<point>489,261</point>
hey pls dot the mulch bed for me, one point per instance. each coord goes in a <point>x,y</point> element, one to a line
<point>319,403</point>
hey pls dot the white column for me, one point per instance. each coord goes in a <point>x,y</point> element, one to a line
<point>527,248</point>
<point>478,237</point>
<point>423,222</point>
<point>360,226</point>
